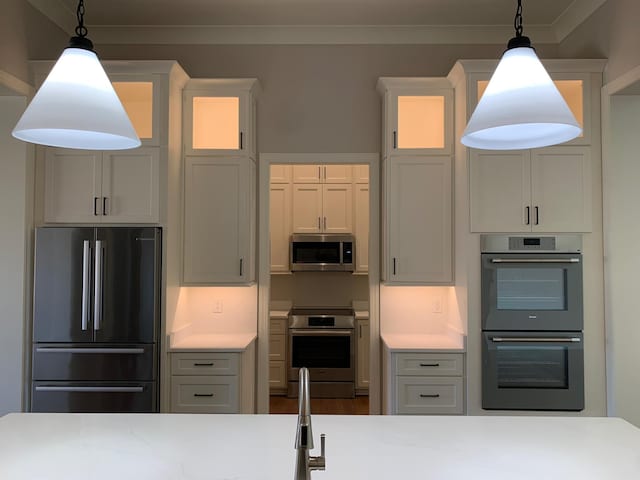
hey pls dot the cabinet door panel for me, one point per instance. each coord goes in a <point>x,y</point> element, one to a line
<point>217,220</point>
<point>130,185</point>
<point>361,230</point>
<point>337,208</point>
<point>419,220</point>
<point>307,208</point>
<point>72,186</point>
<point>561,189</point>
<point>500,191</point>
<point>307,174</point>
<point>362,365</point>
<point>280,174</point>
<point>280,226</point>
<point>337,173</point>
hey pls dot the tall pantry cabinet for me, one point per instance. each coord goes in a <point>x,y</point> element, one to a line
<point>219,182</point>
<point>417,147</point>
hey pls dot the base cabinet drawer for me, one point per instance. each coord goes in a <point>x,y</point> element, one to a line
<point>277,347</point>
<point>204,394</point>
<point>429,395</point>
<point>205,363</point>
<point>428,364</point>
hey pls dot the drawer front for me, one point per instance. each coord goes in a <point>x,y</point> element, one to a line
<point>278,326</point>
<point>430,395</point>
<point>277,347</point>
<point>205,363</point>
<point>201,394</point>
<point>277,374</point>
<point>445,364</point>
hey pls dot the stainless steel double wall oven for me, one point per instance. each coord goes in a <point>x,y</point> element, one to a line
<point>532,321</point>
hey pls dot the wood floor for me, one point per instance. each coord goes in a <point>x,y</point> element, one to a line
<point>320,406</point>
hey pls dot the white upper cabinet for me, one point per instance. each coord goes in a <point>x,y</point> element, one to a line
<point>140,97</point>
<point>280,225</point>
<point>102,187</point>
<point>280,174</point>
<point>325,208</point>
<point>219,117</point>
<point>541,190</point>
<point>361,222</point>
<point>417,220</point>
<point>219,221</point>
<point>418,116</point>
<point>322,173</point>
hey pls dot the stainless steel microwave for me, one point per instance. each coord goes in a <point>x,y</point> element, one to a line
<point>322,252</point>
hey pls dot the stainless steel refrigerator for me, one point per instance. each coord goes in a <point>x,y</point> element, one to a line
<point>96,319</point>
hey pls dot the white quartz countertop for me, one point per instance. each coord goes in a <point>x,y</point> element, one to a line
<point>260,447</point>
<point>448,342</point>
<point>237,342</point>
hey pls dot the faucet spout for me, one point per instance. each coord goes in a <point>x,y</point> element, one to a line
<point>304,433</point>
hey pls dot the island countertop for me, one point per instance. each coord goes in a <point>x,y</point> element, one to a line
<point>254,447</point>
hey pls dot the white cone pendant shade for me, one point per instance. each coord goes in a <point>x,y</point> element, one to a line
<point>77,107</point>
<point>521,107</point>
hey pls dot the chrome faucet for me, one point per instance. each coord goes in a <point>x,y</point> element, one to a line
<point>304,434</point>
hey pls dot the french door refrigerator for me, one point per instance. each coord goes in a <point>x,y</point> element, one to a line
<point>96,318</point>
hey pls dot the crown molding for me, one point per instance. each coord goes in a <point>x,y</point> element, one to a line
<point>568,21</point>
<point>574,16</point>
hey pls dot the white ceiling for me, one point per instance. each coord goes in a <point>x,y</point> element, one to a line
<point>309,21</point>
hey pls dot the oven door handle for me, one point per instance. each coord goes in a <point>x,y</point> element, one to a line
<point>536,339</point>
<point>328,331</point>
<point>536,260</point>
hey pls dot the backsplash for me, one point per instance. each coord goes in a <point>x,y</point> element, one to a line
<point>320,289</point>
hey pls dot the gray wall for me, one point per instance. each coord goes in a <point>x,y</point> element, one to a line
<point>611,32</point>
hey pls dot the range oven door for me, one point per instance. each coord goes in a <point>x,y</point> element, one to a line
<point>532,291</point>
<point>327,353</point>
<point>533,371</point>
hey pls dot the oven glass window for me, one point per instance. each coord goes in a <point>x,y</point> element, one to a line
<point>531,289</point>
<point>532,367</point>
<point>316,252</point>
<point>321,351</point>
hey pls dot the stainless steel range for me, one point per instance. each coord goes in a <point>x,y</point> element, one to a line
<point>322,340</point>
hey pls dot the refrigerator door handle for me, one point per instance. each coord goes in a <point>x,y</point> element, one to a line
<point>97,292</point>
<point>132,351</point>
<point>52,388</point>
<point>86,261</point>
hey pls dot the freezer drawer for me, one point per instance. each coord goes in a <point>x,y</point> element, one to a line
<point>93,362</point>
<point>94,397</point>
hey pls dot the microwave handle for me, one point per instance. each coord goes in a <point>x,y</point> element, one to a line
<point>535,260</point>
<point>536,339</point>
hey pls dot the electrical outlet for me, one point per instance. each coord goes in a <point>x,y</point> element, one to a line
<point>436,305</point>
<point>217,306</point>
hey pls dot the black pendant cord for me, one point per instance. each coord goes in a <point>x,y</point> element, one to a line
<point>517,21</point>
<point>81,30</point>
<point>81,40</point>
<point>519,40</point>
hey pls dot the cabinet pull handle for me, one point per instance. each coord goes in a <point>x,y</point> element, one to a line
<point>395,139</point>
<point>394,265</point>
<point>537,215</point>
<point>360,332</point>
<point>241,141</point>
<point>241,267</point>
<point>95,206</point>
<point>429,364</point>
<point>528,215</point>
<point>432,395</point>
<point>319,176</point>
<point>319,227</point>
<point>325,173</point>
<point>197,364</point>
<point>325,223</point>
<point>104,205</point>
<point>203,394</point>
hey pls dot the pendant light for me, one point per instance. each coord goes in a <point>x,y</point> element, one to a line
<point>521,107</point>
<point>76,106</point>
